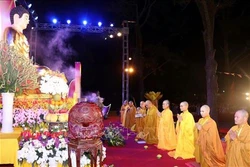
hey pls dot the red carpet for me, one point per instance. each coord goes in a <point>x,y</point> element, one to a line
<point>134,154</point>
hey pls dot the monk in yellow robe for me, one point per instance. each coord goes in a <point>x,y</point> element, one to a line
<point>123,112</point>
<point>238,141</point>
<point>149,133</point>
<point>208,149</point>
<point>130,115</point>
<point>166,130</point>
<point>140,117</point>
<point>185,134</point>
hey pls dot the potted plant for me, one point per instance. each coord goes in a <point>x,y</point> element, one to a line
<point>17,73</point>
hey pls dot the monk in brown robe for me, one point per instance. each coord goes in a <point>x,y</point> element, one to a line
<point>130,115</point>
<point>140,117</point>
<point>123,111</point>
<point>238,141</point>
<point>208,149</point>
<point>149,133</point>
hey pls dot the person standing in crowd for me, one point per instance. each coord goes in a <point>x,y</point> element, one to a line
<point>208,148</point>
<point>238,141</point>
<point>185,134</point>
<point>166,130</point>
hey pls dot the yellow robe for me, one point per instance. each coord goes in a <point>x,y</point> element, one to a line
<point>149,133</point>
<point>185,137</point>
<point>123,113</point>
<point>238,150</point>
<point>140,121</point>
<point>130,117</point>
<point>166,131</point>
<point>208,149</point>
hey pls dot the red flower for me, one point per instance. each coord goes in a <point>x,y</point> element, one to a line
<point>36,135</point>
<point>46,133</point>
<point>54,135</point>
<point>26,134</point>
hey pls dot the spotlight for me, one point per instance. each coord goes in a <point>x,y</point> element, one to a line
<point>111,25</point>
<point>85,22</point>
<point>36,18</point>
<point>119,34</point>
<point>111,36</point>
<point>29,5</point>
<point>32,11</point>
<point>99,24</point>
<point>68,21</point>
<point>54,21</point>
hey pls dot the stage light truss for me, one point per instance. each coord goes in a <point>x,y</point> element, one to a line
<point>90,29</point>
<point>77,28</point>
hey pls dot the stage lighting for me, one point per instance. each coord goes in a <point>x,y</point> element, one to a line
<point>68,21</point>
<point>84,22</point>
<point>32,11</point>
<point>99,24</point>
<point>111,25</point>
<point>111,36</point>
<point>36,18</point>
<point>54,21</point>
<point>29,5</point>
<point>119,34</point>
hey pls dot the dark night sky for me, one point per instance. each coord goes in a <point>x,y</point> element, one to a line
<point>177,29</point>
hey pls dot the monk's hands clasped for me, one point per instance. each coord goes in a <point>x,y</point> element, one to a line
<point>159,114</point>
<point>179,117</point>
<point>232,134</point>
<point>198,126</point>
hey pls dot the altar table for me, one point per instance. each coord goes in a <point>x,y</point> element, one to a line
<point>9,147</point>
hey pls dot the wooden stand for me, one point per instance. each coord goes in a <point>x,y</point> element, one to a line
<point>80,146</point>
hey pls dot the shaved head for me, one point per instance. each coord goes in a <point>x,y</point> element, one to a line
<point>184,103</point>
<point>184,106</point>
<point>205,110</point>
<point>148,103</point>
<point>241,117</point>
<point>243,113</point>
<point>165,104</point>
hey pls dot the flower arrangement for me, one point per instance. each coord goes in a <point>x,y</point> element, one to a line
<point>43,148</point>
<point>16,71</point>
<point>113,135</point>
<point>35,104</point>
<point>31,119</point>
<point>54,83</point>
<point>46,148</point>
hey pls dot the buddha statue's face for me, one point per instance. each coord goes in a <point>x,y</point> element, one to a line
<point>21,22</point>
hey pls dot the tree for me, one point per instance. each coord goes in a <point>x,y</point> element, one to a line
<point>138,12</point>
<point>208,10</point>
